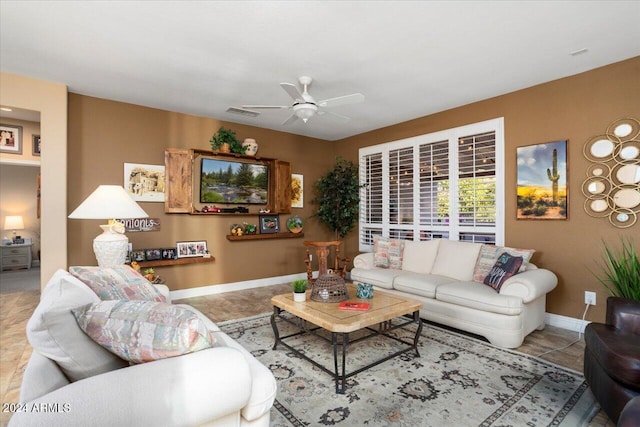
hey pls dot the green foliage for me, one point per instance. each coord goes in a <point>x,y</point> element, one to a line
<point>299,286</point>
<point>338,197</point>
<point>227,136</point>
<point>621,271</point>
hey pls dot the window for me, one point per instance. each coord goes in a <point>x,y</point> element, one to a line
<point>447,184</point>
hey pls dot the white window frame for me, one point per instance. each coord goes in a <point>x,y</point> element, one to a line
<point>452,136</point>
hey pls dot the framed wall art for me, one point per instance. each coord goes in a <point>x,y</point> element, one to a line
<point>269,224</point>
<point>36,147</point>
<point>11,139</point>
<point>191,249</point>
<point>145,183</point>
<point>542,171</point>
<point>297,190</point>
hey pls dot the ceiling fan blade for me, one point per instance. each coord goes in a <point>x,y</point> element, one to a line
<point>354,98</point>
<point>293,91</point>
<point>292,118</point>
<point>335,116</point>
<point>268,106</point>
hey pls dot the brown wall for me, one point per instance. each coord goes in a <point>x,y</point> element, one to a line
<point>103,135</point>
<point>573,108</point>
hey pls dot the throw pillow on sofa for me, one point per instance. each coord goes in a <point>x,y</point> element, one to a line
<point>118,282</point>
<point>489,255</point>
<point>388,252</point>
<point>143,331</point>
<point>505,267</point>
<point>53,332</point>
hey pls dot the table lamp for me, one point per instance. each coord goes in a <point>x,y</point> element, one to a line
<point>14,222</point>
<point>109,202</point>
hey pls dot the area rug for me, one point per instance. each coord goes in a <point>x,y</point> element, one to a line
<point>456,381</point>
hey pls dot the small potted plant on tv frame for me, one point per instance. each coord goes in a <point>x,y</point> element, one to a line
<point>299,290</point>
<point>225,141</point>
<point>621,271</point>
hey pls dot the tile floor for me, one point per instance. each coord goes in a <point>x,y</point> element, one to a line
<point>16,308</point>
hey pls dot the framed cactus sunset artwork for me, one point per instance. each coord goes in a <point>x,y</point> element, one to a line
<point>542,181</point>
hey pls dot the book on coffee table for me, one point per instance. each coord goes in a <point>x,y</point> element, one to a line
<point>350,305</point>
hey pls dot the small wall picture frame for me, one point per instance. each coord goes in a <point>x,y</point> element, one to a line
<point>137,256</point>
<point>191,249</point>
<point>269,224</point>
<point>152,254</point>
<point>37,147</point>
<point>11,139</point>
<point>168,253</point>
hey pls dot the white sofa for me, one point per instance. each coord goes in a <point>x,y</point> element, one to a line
<point>440,273</point>
<point>219,386</point>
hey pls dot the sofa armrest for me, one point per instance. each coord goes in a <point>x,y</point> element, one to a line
<point>164,290</point>
<point>364,260</point>
<point>624,314</point>
<point>530,285</point>
<point>193,389</point>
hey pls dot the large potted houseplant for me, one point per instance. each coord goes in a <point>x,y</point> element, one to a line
<point>338,197</point>
<point>225,141</point>
<point>621,271</point>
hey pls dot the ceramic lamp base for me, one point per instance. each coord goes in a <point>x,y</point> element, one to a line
<point>110,247</point>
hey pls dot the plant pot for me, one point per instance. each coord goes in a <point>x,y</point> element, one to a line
<point>225,148</point>
<point>300,297</point>
<point>252,147</point>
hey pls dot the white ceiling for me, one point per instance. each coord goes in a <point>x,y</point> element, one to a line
<point>409,58</point>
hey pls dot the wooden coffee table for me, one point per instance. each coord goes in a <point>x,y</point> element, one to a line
<point>384,307</point>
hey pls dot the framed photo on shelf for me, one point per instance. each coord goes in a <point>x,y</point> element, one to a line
<point>11,139</point>
<point>152,254</point>
<point>168,253</point>
<point>191,249</point>
<point>542,177</point>
<point>36,145</point>
<point>137,256</point>
<point>269,224</point>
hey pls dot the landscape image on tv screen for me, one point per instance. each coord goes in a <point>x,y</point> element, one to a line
<point>228,181</point>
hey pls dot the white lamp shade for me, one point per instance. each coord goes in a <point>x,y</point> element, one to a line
<point>13,222</point>
<point>108,202</point>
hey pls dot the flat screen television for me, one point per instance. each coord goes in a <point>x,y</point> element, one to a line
<point>233,182</point>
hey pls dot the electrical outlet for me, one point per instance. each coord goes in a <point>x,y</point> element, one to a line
<point>310,257</point>
<point>589,298</point>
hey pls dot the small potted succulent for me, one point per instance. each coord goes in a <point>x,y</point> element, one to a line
<point>299,290</point>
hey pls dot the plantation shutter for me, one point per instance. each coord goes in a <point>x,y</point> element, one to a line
<point>371,200</point>
<point>434,190</point>
<point>401,193</point>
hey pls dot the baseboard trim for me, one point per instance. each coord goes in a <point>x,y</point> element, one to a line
<point>565,322</point>
<point>235,286</point>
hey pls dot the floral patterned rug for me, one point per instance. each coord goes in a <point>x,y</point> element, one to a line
<point>456,381</point>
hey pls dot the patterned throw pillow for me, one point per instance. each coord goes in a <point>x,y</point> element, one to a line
<point>505,267</point>
<point>118,282</point>
<point>388,252</point>
<point>143,331</point>
<point>489,255</point>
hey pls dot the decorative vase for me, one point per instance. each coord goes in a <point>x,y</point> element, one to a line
<point>294,224</point>
<point>299,296</point>
<point>252,146</point>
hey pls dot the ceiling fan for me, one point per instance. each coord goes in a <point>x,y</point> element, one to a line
<point>304,106</point>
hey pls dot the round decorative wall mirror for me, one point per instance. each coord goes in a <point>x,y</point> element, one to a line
<point>612,187</point>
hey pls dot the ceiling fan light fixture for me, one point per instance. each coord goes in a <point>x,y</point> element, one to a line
<point>305,111</point>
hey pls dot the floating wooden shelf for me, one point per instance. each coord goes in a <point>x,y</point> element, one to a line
<point>264,236</point>
<point>179,261</point>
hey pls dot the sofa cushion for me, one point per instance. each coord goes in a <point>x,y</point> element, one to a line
<point>424,285</point>
<point>420,256</point>
<point>118,282</point>
<point>53,332</point>
<point>388,252</point>
<point>478,296</point>
<point>505,267</point>
<point>456,259</point>
<point>489,255</point>
<point>380,277</point>
<point>143,331</point>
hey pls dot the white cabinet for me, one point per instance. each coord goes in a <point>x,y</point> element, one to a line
<point>15,256</point>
